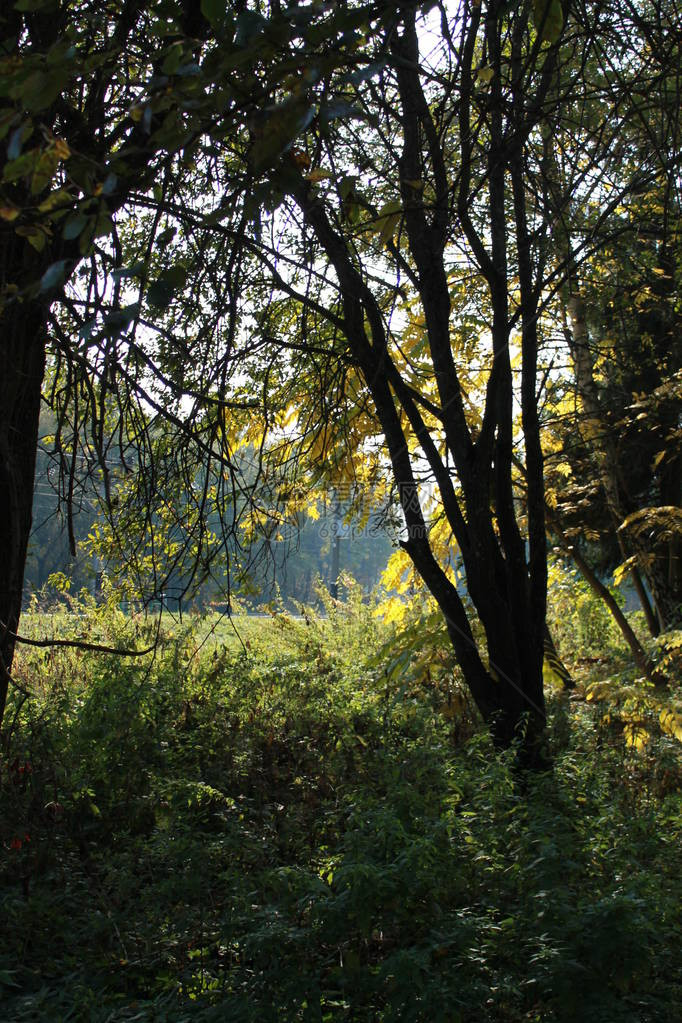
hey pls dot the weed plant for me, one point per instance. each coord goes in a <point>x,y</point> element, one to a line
<point>282,831</point>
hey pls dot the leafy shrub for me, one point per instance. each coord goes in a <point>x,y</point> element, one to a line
<point>579,620</point>
<point>287,831</point>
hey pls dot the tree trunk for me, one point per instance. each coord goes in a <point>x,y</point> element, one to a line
<point>602,591</point>
<point>22,366</point>
<point>507,587</point>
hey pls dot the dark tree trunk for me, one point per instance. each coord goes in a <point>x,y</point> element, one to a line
<point>507,592</point>
<point>22,366</point>
<point>471,467</point>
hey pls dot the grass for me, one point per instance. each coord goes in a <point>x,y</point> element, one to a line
<point>279,830</point>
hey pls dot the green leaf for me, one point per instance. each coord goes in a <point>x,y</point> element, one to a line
<point>160,294</point>
<point>249,25</point>
<point>62,50</point>
<point>120,319</point>
<point>188,70</point>
<point>175,275</point>
<point>34,5</point>
<point>44,170</point>
<point>6,122</point>
<point>166,237</point>
<point>364,74</point>
<point>125,273</point>
<point>17,139</point>
<point>85,332</point>
<point>172,60</point>
<point>109,184</point>
<point>267,148</point>
<point>54,275</point>
<point>33,235</point>
<point>213,10</point>
<point>347,187</point>
<point>74,226</point>
<point>103,225</point>
<point>162,290</point>
<point>337,108</point>
<point>86,237</point>
<point>7,978</point>
<point>284,123</point>
<point>548,17</point>
<point>40,89</point>
<point>81,173</point>
<point>20,167</point>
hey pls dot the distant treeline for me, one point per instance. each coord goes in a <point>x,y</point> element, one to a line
<point>288,566</point>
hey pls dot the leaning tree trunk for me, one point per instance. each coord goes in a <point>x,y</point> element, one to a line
<point>22,366</point>
<point>507,586</point>
<point>508,690</point>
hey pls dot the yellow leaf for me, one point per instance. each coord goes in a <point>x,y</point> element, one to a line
<point>387,220</point>
<point>318,174</point>
<point>36,235</point>
<point>636,735</point>
<point>597,690</point>
<point>394,576</point>
<point>9,212</point>
<point>622,570</point>
<point>484,75</point>
<point>44,170</point>
<point>62,150</point>
<point>60,197</point>
<point>300,158</point>
<point>392,610</point>
<point>671,723</point>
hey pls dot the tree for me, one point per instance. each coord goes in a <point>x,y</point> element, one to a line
<point>62,77</point>
<point>99,104</point>
<point>448,214</point>
<point>620,310</point>
<point>428,216</point>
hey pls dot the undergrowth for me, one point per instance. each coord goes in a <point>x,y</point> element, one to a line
<point>283,831</point>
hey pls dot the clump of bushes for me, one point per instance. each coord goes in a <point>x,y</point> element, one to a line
<point>286,831</point>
